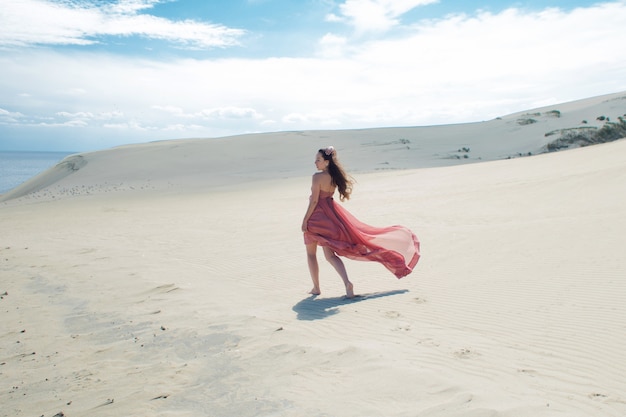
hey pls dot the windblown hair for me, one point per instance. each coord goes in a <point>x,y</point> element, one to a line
<point>340,179</point>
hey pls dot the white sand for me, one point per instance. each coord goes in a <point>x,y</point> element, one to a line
<point>170,279</point>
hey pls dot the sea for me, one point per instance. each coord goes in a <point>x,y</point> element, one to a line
<point>17,167</point>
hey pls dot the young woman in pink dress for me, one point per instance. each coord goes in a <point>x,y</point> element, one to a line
<point>339,233</point>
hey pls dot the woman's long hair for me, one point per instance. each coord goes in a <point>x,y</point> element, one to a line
<point>340,179</point>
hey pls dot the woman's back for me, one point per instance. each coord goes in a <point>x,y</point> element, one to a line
<point>325,182</point>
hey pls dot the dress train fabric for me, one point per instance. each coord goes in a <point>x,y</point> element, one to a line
<point>396,247</point>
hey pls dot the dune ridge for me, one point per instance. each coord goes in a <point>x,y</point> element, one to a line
<point>209,163</point>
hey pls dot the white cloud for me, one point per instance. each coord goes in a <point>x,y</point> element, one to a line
<point>332,46</point>
<point>79,115</point>
<point>458,69</point>
<point>44,22</point>
<point>377,15</point>
<point>331,17</point>
<point>231,112</point>
<point>4,112</point>
<point>173,110</point>
<point>10,117</point>
<point>67,123</point>
<point>131,125</point>
<point>322,118</point>
<point>220,113</point>
<point>129,6</point>
<point>110,115</point>
<point>87,116</point>
<point>179,127</point>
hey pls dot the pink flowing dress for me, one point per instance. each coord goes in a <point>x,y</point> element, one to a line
<point>396,247</point>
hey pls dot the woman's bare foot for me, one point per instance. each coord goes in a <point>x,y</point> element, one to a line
<point>315,291</point>
<point>350,290</point>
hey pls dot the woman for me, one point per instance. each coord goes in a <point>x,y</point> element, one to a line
<point>340,234</point>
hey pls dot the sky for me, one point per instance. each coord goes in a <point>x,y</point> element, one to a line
<point>82,75</point>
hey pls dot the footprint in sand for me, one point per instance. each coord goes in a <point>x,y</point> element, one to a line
<point>530,372</point>
<point>166,288</point>
<point>392,314</point>
<point>465,353</point>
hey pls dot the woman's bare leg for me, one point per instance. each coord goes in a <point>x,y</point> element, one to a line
<point>314,269</point>
<point>337,263</point>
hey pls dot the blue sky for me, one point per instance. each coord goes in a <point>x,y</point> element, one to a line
<point>82,75</point>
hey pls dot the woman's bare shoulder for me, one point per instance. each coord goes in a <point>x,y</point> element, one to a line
<point>321,176</point>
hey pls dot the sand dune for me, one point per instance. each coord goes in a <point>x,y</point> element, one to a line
<point>188,298</point>
<point>209,163</point>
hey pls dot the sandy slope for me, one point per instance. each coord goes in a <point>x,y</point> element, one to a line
<point>191,300</point>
